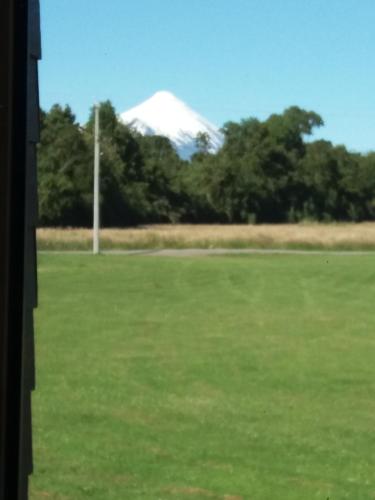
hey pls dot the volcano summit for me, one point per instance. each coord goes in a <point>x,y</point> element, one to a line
<point>164,114</point>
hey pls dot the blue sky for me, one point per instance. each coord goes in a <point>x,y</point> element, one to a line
<point>228,59</point>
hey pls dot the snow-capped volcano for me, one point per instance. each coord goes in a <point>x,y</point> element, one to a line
<point>164,114</point>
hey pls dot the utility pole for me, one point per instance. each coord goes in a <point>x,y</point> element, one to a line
<point>96,182</point>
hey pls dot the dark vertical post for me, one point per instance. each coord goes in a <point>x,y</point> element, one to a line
<point>6,56</point>
<point>19,132</point>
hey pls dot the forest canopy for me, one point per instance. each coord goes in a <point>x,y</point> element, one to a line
<point>266,171</point>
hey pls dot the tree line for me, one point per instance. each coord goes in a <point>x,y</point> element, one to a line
<point>266,171</point>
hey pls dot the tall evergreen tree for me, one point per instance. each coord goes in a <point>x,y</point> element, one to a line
<point>63,169</point>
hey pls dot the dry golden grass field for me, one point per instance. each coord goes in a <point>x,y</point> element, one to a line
<point>341,236</point>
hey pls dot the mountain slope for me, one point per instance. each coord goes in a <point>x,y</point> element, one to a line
<point>164,114</point>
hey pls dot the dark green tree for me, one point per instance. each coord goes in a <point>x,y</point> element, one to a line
<point>203,142</point>
<point>265,172</point>
<point>123,191</point>
<point>63,169</point>
<point>162,170</point>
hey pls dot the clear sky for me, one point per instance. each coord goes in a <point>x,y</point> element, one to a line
<point>228,59</point>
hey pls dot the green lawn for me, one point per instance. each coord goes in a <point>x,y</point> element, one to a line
<point>228,378</point>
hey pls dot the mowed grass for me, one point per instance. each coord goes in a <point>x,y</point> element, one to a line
<point>215,377</point>
<point>335,236</point>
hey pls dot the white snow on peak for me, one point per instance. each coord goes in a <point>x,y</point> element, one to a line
<point>165,114</point>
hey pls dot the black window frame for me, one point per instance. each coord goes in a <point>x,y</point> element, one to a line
<point>19,132</point>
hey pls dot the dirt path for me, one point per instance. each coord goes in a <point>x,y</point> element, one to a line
<point>198,252</point>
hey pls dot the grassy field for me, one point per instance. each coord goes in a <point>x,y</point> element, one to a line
<point>217,377</point>
<point>292,236</point>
